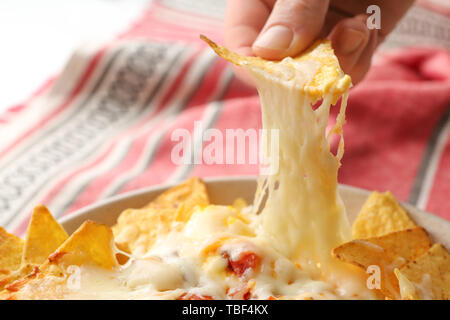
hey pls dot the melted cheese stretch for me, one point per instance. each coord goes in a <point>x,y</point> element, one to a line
<point>303,216</point>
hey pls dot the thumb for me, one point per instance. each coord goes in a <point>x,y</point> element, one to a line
<point>291,27</point>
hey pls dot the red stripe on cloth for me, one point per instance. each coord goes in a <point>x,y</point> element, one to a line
<point>432,5</point>
<point>162,167</point>
<point>78,88</point>
<point>389,122</point>
<point>151,19</point>
<point>438,201</point>
<point>176,84</point>
<point>165,31</point>
<point>82,200</point>
<point>209,84</point>
<point>241,109</point>
<point>151,25</point>
<point>94,191</point>
<point>385,141</point>
<point>235,115</point>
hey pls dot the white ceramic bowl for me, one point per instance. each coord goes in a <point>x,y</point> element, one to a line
<point>224,190</point>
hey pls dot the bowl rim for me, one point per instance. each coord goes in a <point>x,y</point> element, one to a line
<point>82,211</point>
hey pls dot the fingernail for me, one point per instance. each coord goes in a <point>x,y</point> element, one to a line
<point>275,38</point>
<point>350,40</point>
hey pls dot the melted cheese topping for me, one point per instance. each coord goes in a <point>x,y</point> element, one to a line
<point>196,261</point>
<point>227,253</point>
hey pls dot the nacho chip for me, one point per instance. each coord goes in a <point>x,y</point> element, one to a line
<point>183,198</point>
<point>137,229</point>
<point>380,215</point>
<point>44,236</point>
<point>430,274</point>
<point>387,252</point>
<point>90,244</point>
<point>318,65</point>
<point>408,290</point>
<point>10,252</point>
<point>239,204</point>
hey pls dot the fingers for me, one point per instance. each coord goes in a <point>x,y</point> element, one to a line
<point>291,27</point>
<point>354,46</point>
<point>349,39</point>
<point>243,22</point>
<point>364,61</point>
<point>277,29</point>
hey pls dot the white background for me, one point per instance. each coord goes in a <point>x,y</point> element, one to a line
<point>37,37</point>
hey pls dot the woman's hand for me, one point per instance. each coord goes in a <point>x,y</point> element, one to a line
<point>276,29</point>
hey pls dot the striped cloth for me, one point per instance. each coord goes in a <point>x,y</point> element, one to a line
<point>104,125</point>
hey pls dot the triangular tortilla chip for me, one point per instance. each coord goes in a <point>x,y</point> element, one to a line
<point>189,194</point>
<point>44,236</point>
<point>137,229</point>
<point>317,65</point>
<point>90,244</point>
<point>11,248</point>
<point>387,252</point>
<point>408,290</point>
<point>430,274</point>
<point>380,215</point>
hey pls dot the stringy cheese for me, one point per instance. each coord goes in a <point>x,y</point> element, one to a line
<point>303,216</point>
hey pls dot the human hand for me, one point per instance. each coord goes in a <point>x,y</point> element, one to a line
<point>274,29</point>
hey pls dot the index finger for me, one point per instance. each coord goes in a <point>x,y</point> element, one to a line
<point>243,22</point>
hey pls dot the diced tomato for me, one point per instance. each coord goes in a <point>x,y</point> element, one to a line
<point>54,257</point>
<point>16,285</point>
<point>4,282</point>
<point>247,260</point>
<point>34,272</point>
<point>190,296</point>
